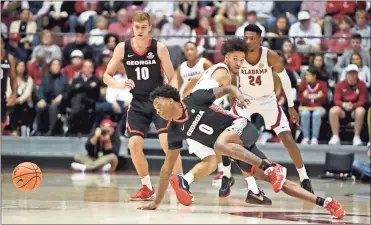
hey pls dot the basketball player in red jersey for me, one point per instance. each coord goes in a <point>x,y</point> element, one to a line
<point>145,60</point>
<point>256,81</point>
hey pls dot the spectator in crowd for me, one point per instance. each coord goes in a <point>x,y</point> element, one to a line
<point>281,29</point>
<point>335,10</point>
<point>12,8</point>
<point>318,63</point>
<point>350,96</point>
<point>306,28</point>
<point>312,97</point>
<point>363,70</point>
<point>175,44</point>
<point>292,59</point>
<point>206,43</point>
<point>160,12</point>
<point>97,35</point>
<point>251,18</point>
<point>285,8</point>
<point>116,102</point>
<point>362,169</point>
<point>363,29</point>
<point>106,57</point>
<point>15,49</point>
<point>38,8</point>
<point>58,15</point>
<point>38,67</point>
<point>317,10</point>
<point>86,12</point>
<point>21,115</point>
<point>52,51</point>
<point>110,41</point>
<point>103,148</point>
<point>344,59</point>
<point>24,26</point>
<point>230,13</point>
<point>122,27</point>
<point>341,44</point>
<point>74,69</point>
<point>189,9</point>
<point>109,9</point>
<point>263,10</point>
<point>50,94</point>
<point>83,94</point>
<point>80,44</point>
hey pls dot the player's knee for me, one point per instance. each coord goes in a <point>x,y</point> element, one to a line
<point>134,147</point>
<point>220,147</point>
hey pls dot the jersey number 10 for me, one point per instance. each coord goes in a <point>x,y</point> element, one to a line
<point>255,81</point>
<point>142,73</point>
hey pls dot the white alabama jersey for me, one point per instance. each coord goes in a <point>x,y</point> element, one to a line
<point>206,81</point>
<point>256,80</point>
<point>187,73</point>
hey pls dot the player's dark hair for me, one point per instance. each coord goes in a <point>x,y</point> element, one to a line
<point>253,28</point>
<point>190,42</point>
<point>166,91</point>
<point>233,45</point>
<point>357,36</point>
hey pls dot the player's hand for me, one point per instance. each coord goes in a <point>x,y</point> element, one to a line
<point>12,100</point>
<point>294,117</point>
<point>98,132</point>
<point>242,101</point>
<point>129,84</point>
<point>151,206</point>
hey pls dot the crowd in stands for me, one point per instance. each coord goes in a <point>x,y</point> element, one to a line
<point>63,48</point>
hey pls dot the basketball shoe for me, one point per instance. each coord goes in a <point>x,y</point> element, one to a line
<point>181,188</point>
<point>258,199</point>
<point>277,176</point>
<point>334,208</point>
<point>225,189</point>
<point>144,194</point>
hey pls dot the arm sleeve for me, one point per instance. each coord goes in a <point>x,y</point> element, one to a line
<point>174,141</point>
<point>286,84</point>
<point>362,96</point>
<point>203,97</point>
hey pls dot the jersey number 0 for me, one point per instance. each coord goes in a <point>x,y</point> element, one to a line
<point>142,73</point>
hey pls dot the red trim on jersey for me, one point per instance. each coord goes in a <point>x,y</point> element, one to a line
<point>278,117</point>
<point>260,56</point>
<point>186,114</point>
<point>218,110</point>
<point>234,109</point>
<point>127,123</point>
<point>165,128</point>
<point>136,51</point>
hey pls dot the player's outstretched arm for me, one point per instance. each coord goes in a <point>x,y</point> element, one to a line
<point>113,67</point>
<point>167,65</point>
<point>234,92</point>
<point>191,84</point>
<point>166,170</point>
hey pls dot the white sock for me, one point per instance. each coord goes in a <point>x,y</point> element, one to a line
<point>227,171</point>
<point>189,177</point>
<point>220,167</point>
<point>302,173</point>
<point>78,166</point>
<point>146,181</point>
<point>251,185</point>
<point>106,167</point>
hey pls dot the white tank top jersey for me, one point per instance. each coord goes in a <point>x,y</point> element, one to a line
<point>256,81</point>
<point>187,73</point>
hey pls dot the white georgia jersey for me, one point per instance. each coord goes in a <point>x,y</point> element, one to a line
<point>187,73</point>
<point>256,80</point>
<point>207,82</point>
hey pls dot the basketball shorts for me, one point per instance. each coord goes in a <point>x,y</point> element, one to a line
<point>140,115</point>
<point>200,150</point>
<point>269,109</point>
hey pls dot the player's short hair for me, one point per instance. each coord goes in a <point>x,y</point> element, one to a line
<point>166,91</point>
<point>253,28</point>
<point>190,42</point>
<point>233,45</point>
<point>142,16</point>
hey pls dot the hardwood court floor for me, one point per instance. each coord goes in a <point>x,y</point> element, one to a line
<point>103,199</point>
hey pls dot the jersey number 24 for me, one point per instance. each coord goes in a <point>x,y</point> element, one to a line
<point>142,73</point>
<point>255,80</point>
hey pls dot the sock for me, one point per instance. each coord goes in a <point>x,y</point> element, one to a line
<point>251,185</point>
<point>302,173</point>
<point>220,167</point>
<point>265,165</point>
<point>106,167</point>
<point>320,201</point>
<point>189,178</point>
<point>146,181</point>
<point>227,171</point>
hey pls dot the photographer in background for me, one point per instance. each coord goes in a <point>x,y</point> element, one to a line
<point>103,148</point>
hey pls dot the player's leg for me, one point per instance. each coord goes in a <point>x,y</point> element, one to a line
<point>275,118</point>
<point>359,116</point>
<point>162,126</point>
<point>138,120</point>
<point>336,113</point>
<point>217,180</point>
<point>81,162</point>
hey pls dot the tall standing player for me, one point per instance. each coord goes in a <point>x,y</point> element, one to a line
<point>7,70</point>
<point>257,83</point>
<point>145,60</point>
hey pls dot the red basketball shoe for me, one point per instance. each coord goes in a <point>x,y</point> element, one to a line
<point>334,208</point>
<point>277,176</point>
<point>144,194</point>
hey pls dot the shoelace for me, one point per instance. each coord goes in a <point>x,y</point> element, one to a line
<point>261,192</point>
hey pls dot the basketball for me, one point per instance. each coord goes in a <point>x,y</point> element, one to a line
<point>27,176</point>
